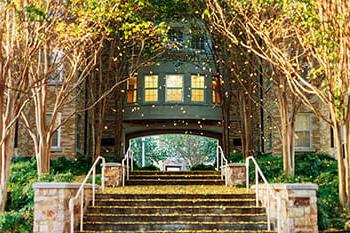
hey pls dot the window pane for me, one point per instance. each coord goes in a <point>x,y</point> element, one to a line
<point>216,98</point>
<point>151,95</point>
<point>54,142</point>
<point>132,84</point>
<point>132,93</point>
<point>197,81</point>
<point>132,96</point>
<point>302,122</point>
<point>174,81</point>
<point>174,95</point>
<point>151,81</point>
<point>302,139</point>
<point>197,95</point>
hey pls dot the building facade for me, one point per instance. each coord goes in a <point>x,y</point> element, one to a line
<point>184,91</point>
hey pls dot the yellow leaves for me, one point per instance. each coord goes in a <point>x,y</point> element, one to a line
<point>177,189</point>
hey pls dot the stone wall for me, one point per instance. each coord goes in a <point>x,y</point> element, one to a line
<point>25,144</point>
<point>298,210</point>
<point>51,206</point>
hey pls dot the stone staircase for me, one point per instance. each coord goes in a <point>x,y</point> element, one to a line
<point>175,178</point>
<point>171,205</point>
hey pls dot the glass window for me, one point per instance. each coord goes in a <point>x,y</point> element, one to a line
<point>216,98</point>
<point>151,88</point>
<point>198,87</point>
<point>174,88</point>
<point>303,130</point>
<point>57,60</point>
<point>56,137</point>
<point>132,90</point>
<point>198,42</point>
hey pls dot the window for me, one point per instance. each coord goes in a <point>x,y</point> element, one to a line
<point>174,88</point>
<point>216,98</point>
<point>132,90</point>
<point>198,87</point>
<point>56,137</point>
<point>198,42</point>
<point>151,88</point>
<point>57,59</point>
<point>176,37</point>
<point>303,131</point>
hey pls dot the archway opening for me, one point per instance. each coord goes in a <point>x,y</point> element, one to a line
<point>174,152</point>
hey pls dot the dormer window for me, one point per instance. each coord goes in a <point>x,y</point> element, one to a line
<point>198,42</point>
<point>197,88</point>
<point>174,88</point>
<point>151,88</point>
<point>176,37</point>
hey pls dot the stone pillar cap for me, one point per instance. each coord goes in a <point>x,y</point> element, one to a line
<point>59,185</point>
<point>112,164</point>
<point>290,186</point>
<point>235,164</point>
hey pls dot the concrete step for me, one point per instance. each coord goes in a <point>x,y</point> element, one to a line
<point>177,225</point>
<point>176,176</point>
<point>183,231</point>
<point>132,196</point>
<point>175,217</point>
<point>175,182</point>
<point>175,202</point>
<point>175,173</point>
<point>176,209</point>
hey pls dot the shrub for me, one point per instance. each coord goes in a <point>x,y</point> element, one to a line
<point>197,167</point>
<point>148,168</point>
<point>315,168</point>
<point>235,157</point>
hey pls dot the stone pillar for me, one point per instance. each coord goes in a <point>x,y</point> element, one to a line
<point>235,174</point>
<point>298,211</point>
<point>113,174</point>
<point>51,210</point>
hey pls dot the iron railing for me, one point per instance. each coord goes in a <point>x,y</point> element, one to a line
<point>269,193</point>
<point>220,156</point>
<point>127,164</point>
<point>81,192</point>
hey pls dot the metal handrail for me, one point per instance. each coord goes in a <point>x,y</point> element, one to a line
<point>269,193</point>
<point>81,192</point>
<point>128,157</point>
<point>223,162</point>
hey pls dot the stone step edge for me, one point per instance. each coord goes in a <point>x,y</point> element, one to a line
<point>182,231</point>
<point>176,223</point>
<point>174,215</point>
<point>177,200</point>
<point>177,207</point>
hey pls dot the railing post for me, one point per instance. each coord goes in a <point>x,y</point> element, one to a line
<point>93,185</point>
<point>256,185</point>
<point>103,174</point>
<point>127,164</point>
<point>217,156</point>
<point>81,209</point>
<point>222,164</point>
<point>132,160</point>
<point>247,173</point>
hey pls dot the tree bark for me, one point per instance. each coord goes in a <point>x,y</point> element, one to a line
<point>6,150</point>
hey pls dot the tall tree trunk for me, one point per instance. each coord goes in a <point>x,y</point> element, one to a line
<point>245,124</point>
<point>341,158</point>
<point>6,150</point>
<point>287,134</point>
<point>43,156</point>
